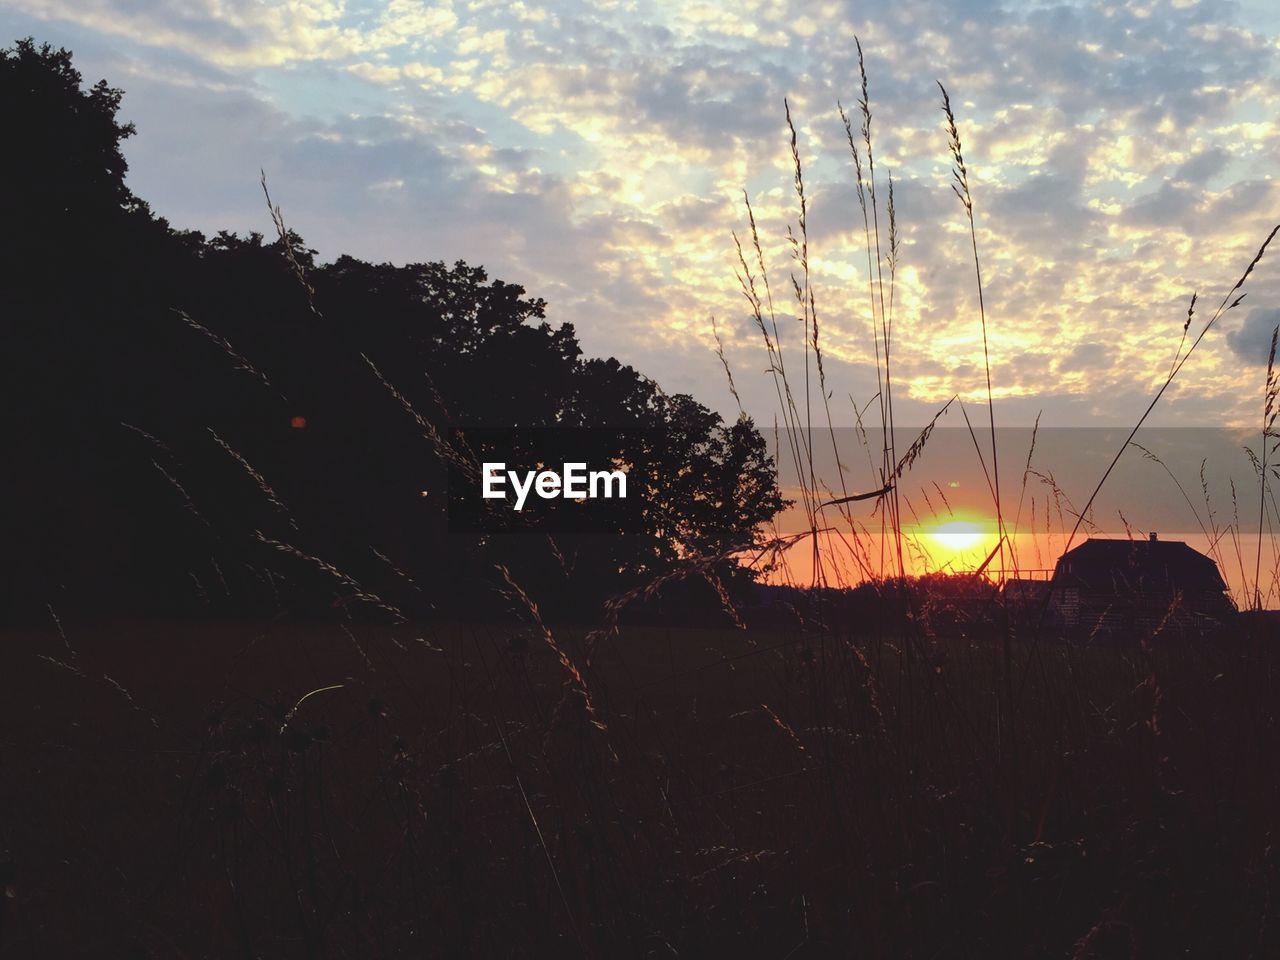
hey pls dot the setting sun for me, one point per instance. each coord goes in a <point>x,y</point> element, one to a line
<point>956,534</point>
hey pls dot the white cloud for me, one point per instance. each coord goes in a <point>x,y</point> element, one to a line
<point>596,151</point>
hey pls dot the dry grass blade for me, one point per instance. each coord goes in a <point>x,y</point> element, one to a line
<point>724,361</point>
<point>917,447</point>
<point>1268,423</point>
<point>960,176</point>
<point>575,680</point>
<point>357,591</point>
<point>186,497</point>
<point>698,566</point>
<point>445,451</point>
<point>303,699</point>
<point>856,497</point>
<point>1149,455</point>
<point>287,244</point>
<point>1227,304</point>
<point>225,346</point>
<point>784,727</point>
<point>257,478</point>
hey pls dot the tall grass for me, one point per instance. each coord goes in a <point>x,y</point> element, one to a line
<point>1019,656</point>
<point>837,780</point>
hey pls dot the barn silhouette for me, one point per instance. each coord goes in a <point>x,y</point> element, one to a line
<point>1119,587</point>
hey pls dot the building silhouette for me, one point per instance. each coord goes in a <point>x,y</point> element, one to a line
<point>1126,587</point>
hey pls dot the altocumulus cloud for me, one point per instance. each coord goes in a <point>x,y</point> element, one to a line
<point>1122,157</point>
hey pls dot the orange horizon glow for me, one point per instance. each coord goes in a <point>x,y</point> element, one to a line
<point>846,561</point>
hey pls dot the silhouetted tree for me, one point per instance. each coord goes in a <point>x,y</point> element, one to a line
<point>226,423</point>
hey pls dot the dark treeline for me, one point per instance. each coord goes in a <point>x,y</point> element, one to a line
<point>222,424</point>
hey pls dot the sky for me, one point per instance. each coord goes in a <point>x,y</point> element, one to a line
<point>1121,157</point>
<point>1190,484</point>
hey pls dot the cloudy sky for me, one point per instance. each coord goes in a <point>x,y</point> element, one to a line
<point>1122,156</point>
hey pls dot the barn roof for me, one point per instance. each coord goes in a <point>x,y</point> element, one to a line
<point>1123,564</point>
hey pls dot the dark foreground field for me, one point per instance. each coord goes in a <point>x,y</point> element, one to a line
<point>759,794</point>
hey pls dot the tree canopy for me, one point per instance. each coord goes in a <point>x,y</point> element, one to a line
<point>224,423</point>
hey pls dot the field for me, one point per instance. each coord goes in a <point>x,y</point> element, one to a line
<point>288,790</point>
<point>218,426</point>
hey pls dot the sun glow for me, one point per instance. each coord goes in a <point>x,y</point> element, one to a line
<point>956,535</point>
